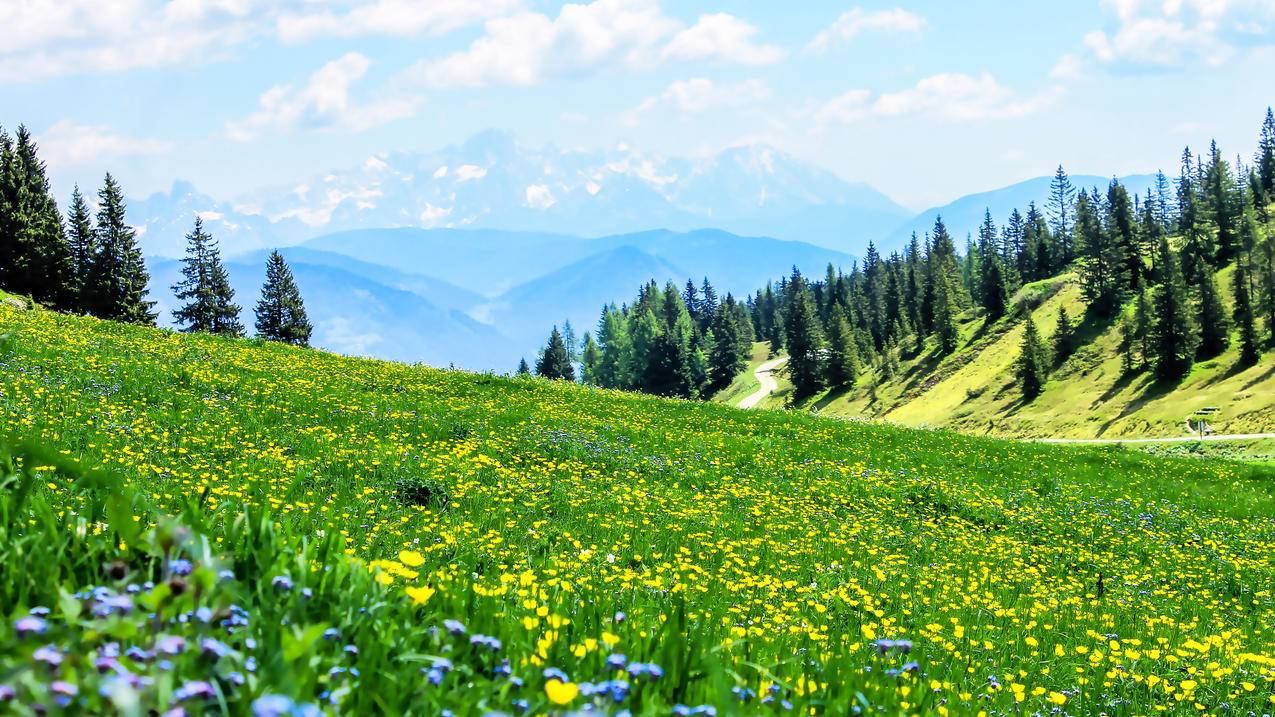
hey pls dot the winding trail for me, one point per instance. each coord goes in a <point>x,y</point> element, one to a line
<point>1172,439</point>
<point>765,377</point>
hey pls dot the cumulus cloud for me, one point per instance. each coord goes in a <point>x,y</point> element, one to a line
<point>856,21</point>
<point>724,38</point>
<point>324,102</point>
<point>402,18</point>
<point>951,97</point>
<point>529,47</point>
<point>67,144</point>
<point>1168,33</point>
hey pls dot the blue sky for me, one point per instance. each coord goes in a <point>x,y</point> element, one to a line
<point>924,100</point>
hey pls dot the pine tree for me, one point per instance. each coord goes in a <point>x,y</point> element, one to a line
<point>1250,348</point>
<point>1033,361</point>
<point>615,370</point>
<point>992,290</point>
<point>730,347</point>
<point>118,276</point>
<point>1174,334</point>
<point>707,303</point>
<point>1128,344</point>
<point>1223,206</point>
<point>205,288</point>
<point>1064,336</point>
<point>1143,328</point>
<point>1214,323</point>
<point>1197,244</point>
<point>843,355</point>
<point>1121,228</point>
<point>569,340</point>
<point>1265,159</point>
<point>803,338</point>
<point>35,258</point>
<point>1266,269</point>
<point>280,311</point>
<point>1101,259</point>
<point>945,316</point>
<point>523,368</point>
<point>590,359</point>
<point>83,243</point>
<point>554,362</point>
<point>1062,196</point>
<point>646,332</point>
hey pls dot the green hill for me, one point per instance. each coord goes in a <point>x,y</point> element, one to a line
<point>597,548</point>
<point>974,390</point>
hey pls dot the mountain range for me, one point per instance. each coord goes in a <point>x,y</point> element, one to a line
<point>468,254</point>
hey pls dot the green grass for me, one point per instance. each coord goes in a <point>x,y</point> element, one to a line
<point>1088,396</point>
<point>745,384</point>
<point>758,551</point>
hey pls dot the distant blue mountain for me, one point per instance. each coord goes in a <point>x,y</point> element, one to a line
<point>965,215</point>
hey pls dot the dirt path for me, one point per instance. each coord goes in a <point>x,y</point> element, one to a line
<point>1173,439</point>
<point>765,377</point>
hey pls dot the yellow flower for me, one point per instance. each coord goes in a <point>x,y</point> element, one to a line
<point>420,595</point>
<point>411,558</point>
<point>561,693</point>
<point>1057,698</point>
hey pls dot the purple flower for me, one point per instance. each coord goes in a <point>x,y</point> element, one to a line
<point>195,689</point>
<point>7,693</point>
<point>455,627</point>
<point>170,644</point>
<point>180,567</point>
<point>616,661</point>
<point>30,625</point>
<point>213,648</point>
<point>282,583</point>
<point>49,655</point>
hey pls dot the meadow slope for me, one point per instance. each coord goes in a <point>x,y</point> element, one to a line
<point>615,550</point>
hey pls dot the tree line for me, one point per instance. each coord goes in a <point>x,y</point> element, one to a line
<point>1148,262</point>
<point>668,342</point>
<point>91,263</point>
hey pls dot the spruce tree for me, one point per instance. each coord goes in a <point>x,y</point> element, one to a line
<point>1064,336</point>
<point>1197,244</point>
<point>802,338</point>
<point>117,279</point>
<point>1101,259</point>
<point>730,349</point>
<point>523,368</point>
<point>708,303</point>
<point>590,359</point>
<point>843,355</point>
<point>1265,159</point>
<point>1033,361</point>
<point>83,243</point>
<point>1214,323</point>
<point>554,362</point>
<point>1223,205</point>
<point>569,340</point>
<point>205,288</point>
<point>280,311</point>
<point>615,370</point>
<point>1143,328</point>
<point>1121,228</point>
<point>35,258</point>
<point>1062,196</point>
<point>1250,348</point>
<point>1174,334</point>
<point>992,290</point>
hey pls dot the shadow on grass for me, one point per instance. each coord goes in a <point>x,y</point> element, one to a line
<point>1153,391</point>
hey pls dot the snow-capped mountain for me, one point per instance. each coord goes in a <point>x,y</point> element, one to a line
<point>492,181</point>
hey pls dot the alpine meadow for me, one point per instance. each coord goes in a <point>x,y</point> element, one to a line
<point>636,358</point>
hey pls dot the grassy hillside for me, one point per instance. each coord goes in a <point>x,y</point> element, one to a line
<point>600,549</point>
<point>974,390</point>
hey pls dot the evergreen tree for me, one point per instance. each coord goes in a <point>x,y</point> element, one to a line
<point>1174,335</point>
<point>992,290</point>
<point>1250,348</point>
<point>646,332</point>
<point>569,340</point>
<point>707,303</point>
<point>1033,361</point>
<point>843,355</point>
<point>676,374</point>
<point>1265,159</point>
<point>615,370</point>
<point>1121,229</point>
<point>590,360</point>
<point>83,243</point>
<point>280,311</point>
<point>35,258</point>
<point>1266,268</point>
<point>1214,323</point>
<point>205,288</point>
<point>730,351</point>
<point>554,362</point>
<point>1128,344</point>
<point>1223,205</point>
<point>1143,329</point>
<point>1197,244</point>
<point>1062,196</point>
<point>944,319</point>
<point>690,297</point>
<point>1064,336</point>
<point>117,278</point>
<point>523,368</point>
<point>803,338</point>
<point>1101,259</point>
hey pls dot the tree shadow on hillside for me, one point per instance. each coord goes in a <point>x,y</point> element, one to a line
<point>1153,391</point>
<point>1126,378</point>
<point>827,398</point>
<point>1265,375</point>
<point>1231,371</point>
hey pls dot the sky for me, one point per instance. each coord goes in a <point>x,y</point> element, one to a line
<point>926,101</point>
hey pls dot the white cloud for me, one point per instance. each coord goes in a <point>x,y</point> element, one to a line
<point>540,196</point>
<point>68,144</point>
<point>528,47</point>
<point>950,97</point>
<point>469,172</point>
<point>700,94</point>
<point>402,18</point>
<point>323,103</point>
<point>852,23</point>
<point>722,37</point>
<point>49,38</point>
<point>1168,33</point>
